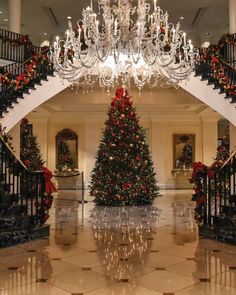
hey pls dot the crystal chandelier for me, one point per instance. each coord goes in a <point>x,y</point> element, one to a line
<point>123,42</point>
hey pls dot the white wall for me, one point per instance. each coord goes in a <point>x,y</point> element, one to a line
<point>160,140</point>
<point>163,112</point>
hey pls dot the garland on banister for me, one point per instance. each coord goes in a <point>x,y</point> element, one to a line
<point>200,174</point>
<point>27,75</point>
<point>31,156</point>
<point>213,57</point>
<point>22,40</point>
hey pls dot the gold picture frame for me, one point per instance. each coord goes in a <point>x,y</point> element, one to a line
<point>183,151</point>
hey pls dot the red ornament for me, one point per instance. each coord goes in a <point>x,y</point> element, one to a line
<point>211,174</point>
<point>27,163</point>
<point>24,122</point>
<point>201,200</point>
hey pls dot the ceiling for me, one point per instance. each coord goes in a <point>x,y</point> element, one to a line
<point>161,103</point>
<point>45,19</point>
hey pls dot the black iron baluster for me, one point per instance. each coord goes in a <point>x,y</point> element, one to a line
<point>209,201</point>
<point>215,194</point>
<point>220,192</point>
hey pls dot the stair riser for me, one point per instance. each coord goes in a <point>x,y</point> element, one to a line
<point>11,238</point>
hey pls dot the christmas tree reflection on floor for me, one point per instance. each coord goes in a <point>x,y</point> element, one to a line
<point>124,237</point>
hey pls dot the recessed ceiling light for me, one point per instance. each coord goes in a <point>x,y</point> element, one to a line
<point>5,20</point>
<point>181,18</point>
<point>207,33</point>
<point>45,34</point>
<point>69,17</point>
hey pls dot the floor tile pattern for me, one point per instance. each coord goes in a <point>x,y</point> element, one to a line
<point>146,250</point>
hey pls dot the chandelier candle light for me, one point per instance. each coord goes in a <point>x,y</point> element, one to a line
<point>123,42</point>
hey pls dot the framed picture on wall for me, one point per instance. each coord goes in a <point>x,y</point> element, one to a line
<point>183,150</point>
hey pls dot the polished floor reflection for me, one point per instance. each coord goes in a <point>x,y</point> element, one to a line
<point>147,250</point>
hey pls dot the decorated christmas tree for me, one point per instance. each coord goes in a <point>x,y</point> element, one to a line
<point>123,172</point>
<point>223,150</point>
<point>30,153</point>
<point>187,157</point>
<point>64,157</point>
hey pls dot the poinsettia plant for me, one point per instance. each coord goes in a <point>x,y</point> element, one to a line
<point>202,174</point>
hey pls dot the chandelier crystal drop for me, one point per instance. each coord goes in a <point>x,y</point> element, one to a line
<point>121,42</point>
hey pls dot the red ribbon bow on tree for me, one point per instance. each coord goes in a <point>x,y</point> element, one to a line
<point>120,95</point>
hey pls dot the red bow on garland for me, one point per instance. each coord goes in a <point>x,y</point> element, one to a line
<point>49,186</point>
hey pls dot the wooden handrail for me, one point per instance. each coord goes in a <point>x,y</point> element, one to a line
<point>233,153</point>
<point>228,65</point>
<point>27,60</point>
<point>12,152</point>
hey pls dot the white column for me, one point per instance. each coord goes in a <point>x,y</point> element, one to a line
<point>209,140</point>
<point>159,152</point>
<point>92,135</point>
<point>14,16</point>
<point>232,16</point>
<point>232,130</point>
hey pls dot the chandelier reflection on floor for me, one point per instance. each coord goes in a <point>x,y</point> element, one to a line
<point>122,42</point>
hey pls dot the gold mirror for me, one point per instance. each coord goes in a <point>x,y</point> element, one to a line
<point>184,150</point>
<point>66,150</point>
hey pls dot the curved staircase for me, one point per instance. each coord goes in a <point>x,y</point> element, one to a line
<point>31,100</point>
<point>213,83</point>
<point>22,200</point>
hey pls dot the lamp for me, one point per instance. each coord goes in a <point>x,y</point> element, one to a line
<point>123,42</point>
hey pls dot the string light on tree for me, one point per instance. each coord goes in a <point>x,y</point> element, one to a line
<point>123,172</point>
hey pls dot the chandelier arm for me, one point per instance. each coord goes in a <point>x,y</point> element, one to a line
<point>132,52</point>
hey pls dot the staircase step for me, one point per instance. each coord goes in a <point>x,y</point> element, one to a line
<point>9,199</point>
<point>229,210</point>
<point>26,91</point>
<point>10,238</point>
<point>232,200</point>
<point>19,236</point>
<point>223,221</point>
<point>13,222</point>
<point>14,210</point>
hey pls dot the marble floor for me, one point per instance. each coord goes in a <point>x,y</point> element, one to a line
<point>149,250</point>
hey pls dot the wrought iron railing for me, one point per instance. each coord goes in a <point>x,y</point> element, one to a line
<point>218,211</point>
<point>16,79</point>
<point>20,187</point>
<point>218,65</point>
<point>16,47</point>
